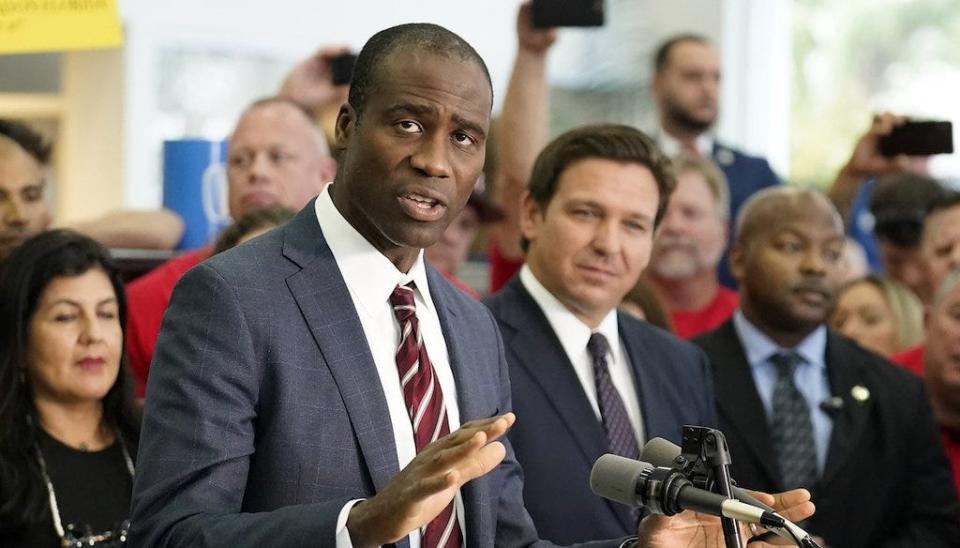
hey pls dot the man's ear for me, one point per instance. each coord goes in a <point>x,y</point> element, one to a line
<point>530,216</point>
<point>656,87</point>
<point>345,126</point>
<point>738,261</point>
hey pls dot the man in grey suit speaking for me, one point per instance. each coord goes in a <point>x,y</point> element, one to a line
<point>322,386</point>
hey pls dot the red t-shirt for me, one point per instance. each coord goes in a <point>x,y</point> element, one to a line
<point>912,360</point>
<point>147,300</point>
<point>689,324</point>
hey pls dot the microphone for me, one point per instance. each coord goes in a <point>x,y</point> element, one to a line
<point>661,452</point>
<point>664,453</point>
<point>666,491</point>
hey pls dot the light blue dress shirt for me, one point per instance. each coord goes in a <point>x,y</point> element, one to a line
<point>810,376</point>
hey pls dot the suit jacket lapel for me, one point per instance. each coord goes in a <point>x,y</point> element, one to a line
<point>739,402</point>
<point>534,342</point>
<point>476,494</point>
<point>850,423</point>
<point>329,312</point>
<point>538,350</point>
<point>651,408</point>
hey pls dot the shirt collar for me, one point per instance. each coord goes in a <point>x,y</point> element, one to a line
<point>759,347</point>
<point>672,146</point>
<point>369,275</point>
<point>571,331</point>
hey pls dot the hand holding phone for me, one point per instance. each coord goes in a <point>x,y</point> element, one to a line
<point>312,82</point>
<point>341,68</point>
<point>567,13</point>
<point>918,138</point>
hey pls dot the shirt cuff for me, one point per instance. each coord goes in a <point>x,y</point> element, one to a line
<point>343,536</point>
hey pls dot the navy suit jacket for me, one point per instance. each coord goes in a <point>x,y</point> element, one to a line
<point>886,482</point>
<point>746,175</point>
<point>266,413</point>
<point>557,436</point>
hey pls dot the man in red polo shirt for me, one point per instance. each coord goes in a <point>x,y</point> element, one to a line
<point>688,249</point>
<point>277,156</point>
<point>938,362</point>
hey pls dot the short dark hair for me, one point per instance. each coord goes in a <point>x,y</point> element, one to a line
<point>662,56</point>
<point>900,203</point>
<point>417,36</point>
<point>26,138</point>
<point>24,275</point>
<point>615,142</point>
<point>949,200</point>
<point>251,221</point>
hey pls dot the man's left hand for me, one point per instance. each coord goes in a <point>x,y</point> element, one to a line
<point>690,529</point>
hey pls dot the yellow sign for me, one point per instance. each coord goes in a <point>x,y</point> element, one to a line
<point>58,25</point>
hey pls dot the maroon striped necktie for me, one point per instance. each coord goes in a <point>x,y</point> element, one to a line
<point>424,399</point>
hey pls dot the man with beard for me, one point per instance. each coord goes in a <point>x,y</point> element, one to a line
<point>683,268</point>
<point>686,88</point>
<point>803,406</point>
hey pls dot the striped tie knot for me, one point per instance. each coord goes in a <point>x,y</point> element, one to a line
<point>402,302</point>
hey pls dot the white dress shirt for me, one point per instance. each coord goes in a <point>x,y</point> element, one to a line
<point>371,278</point>
<point>574,334</point>
<point>673,147</point>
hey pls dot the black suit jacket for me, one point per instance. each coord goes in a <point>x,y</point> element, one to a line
<point>557,436</point>
<point>886,481</point>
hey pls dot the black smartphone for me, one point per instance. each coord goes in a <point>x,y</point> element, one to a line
<point>341,68</point>
<point>918,138</point>
<point>567,13</point>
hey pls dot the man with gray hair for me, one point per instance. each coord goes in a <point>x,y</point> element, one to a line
<point>688,248</point>
<point>802,406</point>
<point>277,156</point>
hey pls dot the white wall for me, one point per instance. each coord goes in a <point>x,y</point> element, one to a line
<point>753,36</point>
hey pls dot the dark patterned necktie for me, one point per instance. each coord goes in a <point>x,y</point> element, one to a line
<point>791,427</point>
<point>424,400</point>
<point>621,438</point>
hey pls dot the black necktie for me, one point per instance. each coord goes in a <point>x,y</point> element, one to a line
<point>620,435</point>
<point>791,426</point>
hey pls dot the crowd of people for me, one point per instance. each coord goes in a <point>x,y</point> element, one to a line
<point>319,375</point>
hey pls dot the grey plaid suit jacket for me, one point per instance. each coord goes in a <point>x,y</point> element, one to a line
<point>265,413</point>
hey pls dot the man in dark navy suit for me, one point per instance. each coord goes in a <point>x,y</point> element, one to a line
<point>686,89</point>
<point>803,406</point>
<point>587,380</point>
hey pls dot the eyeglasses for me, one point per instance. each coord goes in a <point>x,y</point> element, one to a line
<point>109,539</point>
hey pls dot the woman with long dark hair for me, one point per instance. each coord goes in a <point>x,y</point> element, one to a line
<point>69,426</point>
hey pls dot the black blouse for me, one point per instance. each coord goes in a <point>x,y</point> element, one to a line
<point>92,489</point>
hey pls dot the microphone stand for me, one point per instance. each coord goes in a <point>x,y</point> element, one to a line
<point>708,446</point>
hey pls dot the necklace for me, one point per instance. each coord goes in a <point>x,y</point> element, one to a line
<point>91,540</point>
